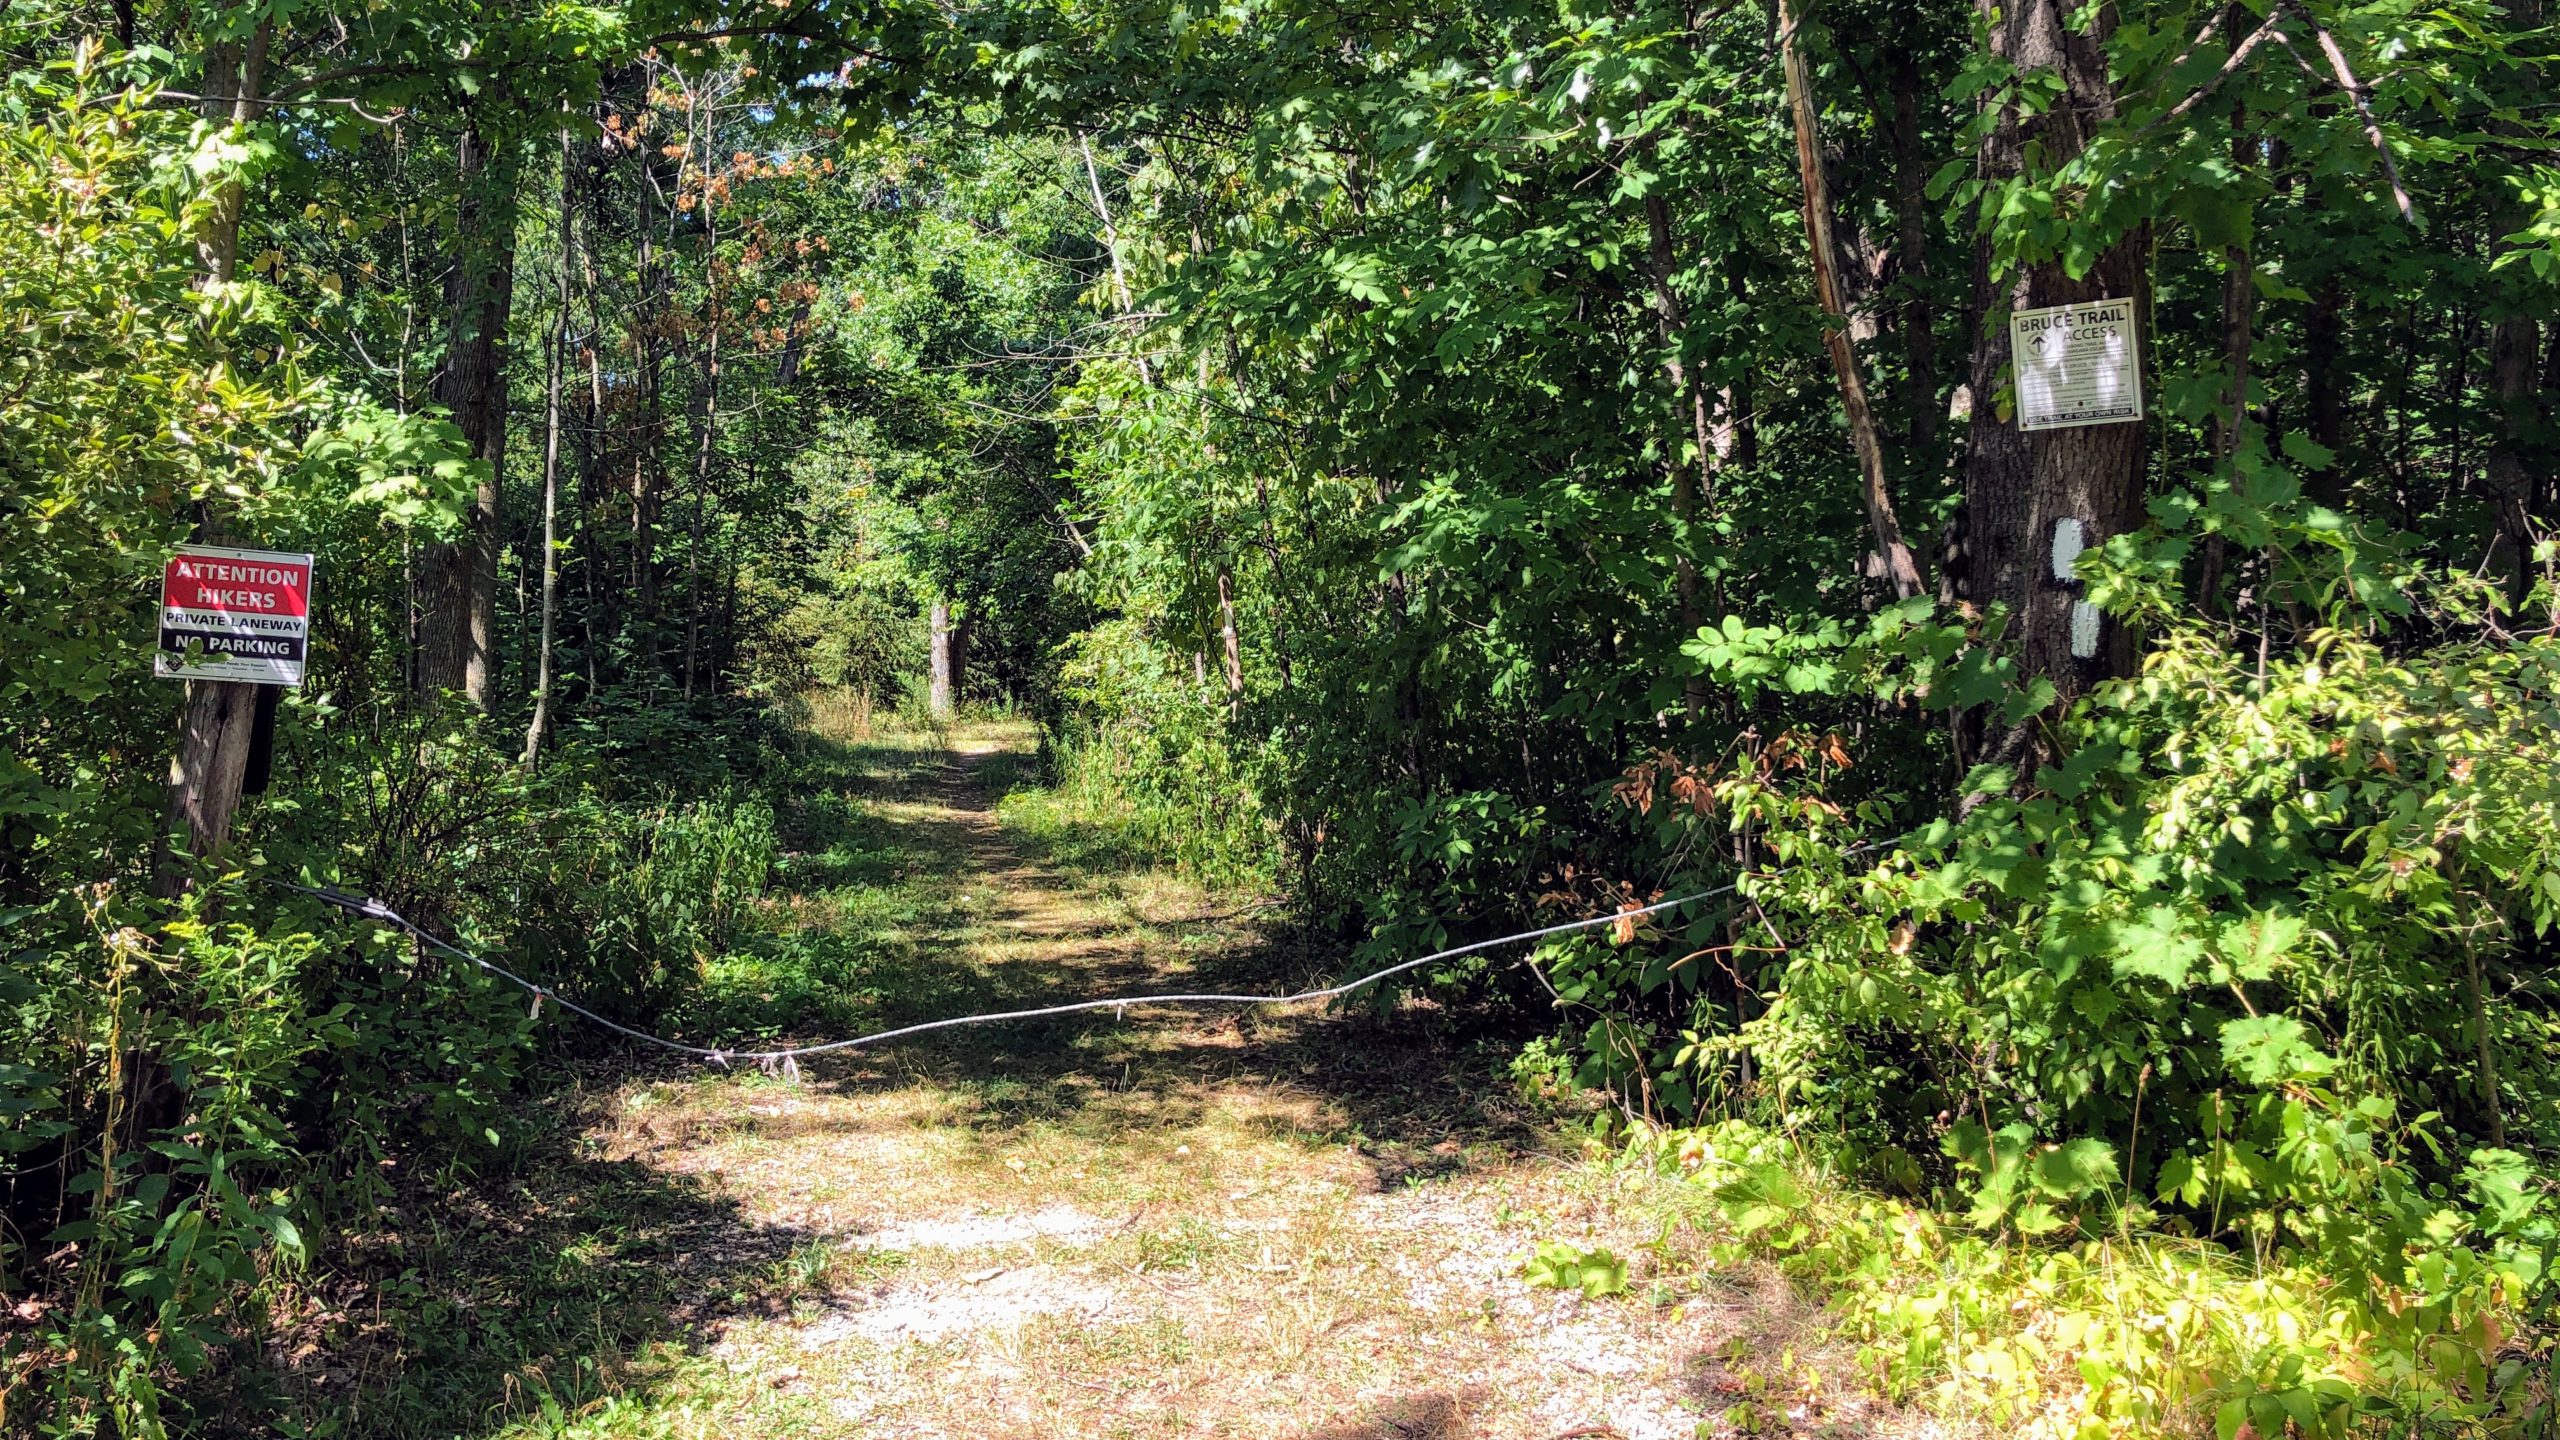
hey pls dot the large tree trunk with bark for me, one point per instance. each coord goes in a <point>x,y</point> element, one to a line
<point>1924,408</point>
<point>457,646</point>
<point>2020,487</point>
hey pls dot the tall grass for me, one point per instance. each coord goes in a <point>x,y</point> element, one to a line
<point>844,716</point>
<point>1129,792</point>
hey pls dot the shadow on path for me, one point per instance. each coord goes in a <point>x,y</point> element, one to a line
<point>552,1282</point>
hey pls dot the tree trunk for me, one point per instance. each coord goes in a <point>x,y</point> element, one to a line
<point>1692,485</point>
<point>1895,556</point>
<point>592,563</point>
<point>706,436</point>
<point>1111,243</point>
<point>1279,581</point>
<point>945,675</point>
<point>1741,407</point>
<point>2515,358</point>
<point>2239,308</point>
<point>556,362</point>
<point>647,394</point>
<point>458,649</point>
<point>1228,639</point>
<point>2323,353</point>
<point>1924,408</point>
<point>2018,487</point>
<point>216,717</point>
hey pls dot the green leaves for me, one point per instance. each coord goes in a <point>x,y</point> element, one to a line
<point>2156,944</point>
<point>1560,1265</point>
<point>2033,1187</point>
<point>2252,945</point>
<point>2271,1050</point>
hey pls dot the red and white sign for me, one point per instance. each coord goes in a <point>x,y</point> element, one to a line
<point>235,615</point>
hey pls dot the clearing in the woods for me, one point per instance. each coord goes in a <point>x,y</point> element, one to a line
<point>1166,1222</point>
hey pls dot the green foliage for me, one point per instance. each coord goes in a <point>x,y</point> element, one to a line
<point>628,904</point>
<point>1153,776</point>
<point>1392,451</point>
<point>1560,1265</point>
<point>2123,1334</point>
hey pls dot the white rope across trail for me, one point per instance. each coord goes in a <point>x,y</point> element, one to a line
<point>376,910</point>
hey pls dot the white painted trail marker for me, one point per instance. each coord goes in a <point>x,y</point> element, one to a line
<point>246,612</point>
<point>2076,365</point>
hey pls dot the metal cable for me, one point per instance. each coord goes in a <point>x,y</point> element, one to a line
<point>376,910</point>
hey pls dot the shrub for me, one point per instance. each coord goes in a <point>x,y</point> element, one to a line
<point>1145,759</point>
<point>2125,1334</point>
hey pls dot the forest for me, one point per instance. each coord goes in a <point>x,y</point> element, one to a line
<point>1989,559</point>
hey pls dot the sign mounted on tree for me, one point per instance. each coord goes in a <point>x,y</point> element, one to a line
<point>244,615</point>
<point>2076,365</point>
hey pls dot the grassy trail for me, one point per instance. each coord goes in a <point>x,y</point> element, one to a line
<point>1168,1222</point>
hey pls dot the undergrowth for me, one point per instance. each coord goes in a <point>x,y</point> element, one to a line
<point>206,1098</point>
<point>2123,1332</point>
<point>1119,798</point>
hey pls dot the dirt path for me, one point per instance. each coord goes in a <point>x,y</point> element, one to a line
<point>1170,1222</point>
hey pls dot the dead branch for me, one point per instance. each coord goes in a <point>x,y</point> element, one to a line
<point>2362,98</point>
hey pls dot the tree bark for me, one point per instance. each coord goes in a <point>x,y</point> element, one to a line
<point>944,680</point>
<point>458,646</point>
<point>1279,581</point>
<point>1900,569</point>
<point>648,392</point>
<point>216,717</point>
<point>1111,243</point>
<point>1229,642</point>
<point>1741,406</point>
<point>1924,408</point>
<point>553,366</point>
<point>2018,487</point>
<point>2239,308</point>
<point>2323,353</point>
<point>706,436</point>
